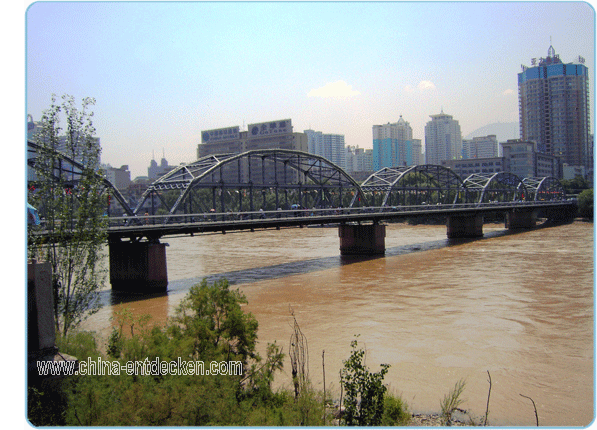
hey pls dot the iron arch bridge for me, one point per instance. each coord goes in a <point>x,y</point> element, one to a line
<point>266,179</point>
<point>69,172</point>
<point>272,179</point>
<point>414,185</point>
<point>494,187</point>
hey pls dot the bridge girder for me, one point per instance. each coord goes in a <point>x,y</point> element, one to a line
<point>264,170</point>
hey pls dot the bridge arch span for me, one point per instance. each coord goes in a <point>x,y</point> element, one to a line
<point>500,187</point>
<point>544,189</point>
<point>72,168</point>
<point>258,179</point>
<point>414,185</point>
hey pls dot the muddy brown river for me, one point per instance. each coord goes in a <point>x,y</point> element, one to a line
<point>520,306</point>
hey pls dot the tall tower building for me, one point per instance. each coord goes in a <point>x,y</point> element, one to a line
<point>155,171</point>
<point>443,139</point>
<point>554,108</point>
<point>393,145</point>
<point>330,146</point>
<point>315,143</point>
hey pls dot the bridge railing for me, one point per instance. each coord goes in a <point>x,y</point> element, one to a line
<point>327,213</point>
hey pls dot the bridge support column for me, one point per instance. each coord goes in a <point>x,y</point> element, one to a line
<point>138,267</point>
<point>461,226</point>
<point>561,215</point>
<point>521,219</point>
<point>362,239</point>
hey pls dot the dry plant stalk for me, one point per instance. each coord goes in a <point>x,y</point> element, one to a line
<point>488,395</point>
<point>535,407</point>
<point>299,357</point>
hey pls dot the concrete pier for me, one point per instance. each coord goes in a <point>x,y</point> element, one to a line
<point>41,329</point>
<point>562,215</point>
<point>138,266</point>
<point>463,226</point>
<point>362,239</point>
<point>521,219</point>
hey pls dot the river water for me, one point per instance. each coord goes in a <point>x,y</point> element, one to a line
<point>519,306</point>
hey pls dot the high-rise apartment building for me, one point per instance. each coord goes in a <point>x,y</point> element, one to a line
<point>330,146</point>
<point>480,147</point>
<point>554,108</point>
<point>443,139</point>
<point>358,159</point>
<point>120,178</point>
<point>393,145</point>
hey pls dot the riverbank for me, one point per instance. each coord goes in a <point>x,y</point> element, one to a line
<point>434,420</point>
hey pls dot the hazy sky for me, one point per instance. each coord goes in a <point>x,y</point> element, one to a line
<point>162,72</point>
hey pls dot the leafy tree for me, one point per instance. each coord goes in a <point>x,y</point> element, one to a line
<point>585,204</point>
<point>364,401</point>
<point>212,316</point>
<point>576,185</point>
<point>72,205</point>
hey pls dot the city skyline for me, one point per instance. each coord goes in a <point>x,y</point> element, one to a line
<point>163,72</point>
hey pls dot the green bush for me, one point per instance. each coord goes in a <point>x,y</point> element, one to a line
<point>395,412</point>
<point>78,344</point>
<point>452,401</point>
<point>364,398</point>
<point>585,204</point>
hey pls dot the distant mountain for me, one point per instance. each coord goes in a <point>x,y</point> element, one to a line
<point>502,130</point>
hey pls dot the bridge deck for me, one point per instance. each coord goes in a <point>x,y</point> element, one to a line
<point>158,226</point>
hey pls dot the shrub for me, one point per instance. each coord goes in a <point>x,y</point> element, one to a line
<point>395,412</point>
<point>452,401</point>
<point>364,401</point>
<point>585,204</point>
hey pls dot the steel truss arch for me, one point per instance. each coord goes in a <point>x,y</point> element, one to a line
<point>415,185</point>
<point>74,169</point>
<point>500,187</point>
<point>293,173</point>
<point>543,189</point>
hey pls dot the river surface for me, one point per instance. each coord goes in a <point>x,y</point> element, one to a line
<point>519,306</point>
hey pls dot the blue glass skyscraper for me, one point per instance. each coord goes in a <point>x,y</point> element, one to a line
<point>554,108</point>
<point>393,145</point>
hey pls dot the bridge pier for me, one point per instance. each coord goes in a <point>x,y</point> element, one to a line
<point>561,215</point>
<point>520,219</point>
<point>138,267</point>
<point>362,239</point>
<point>466,225</point>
